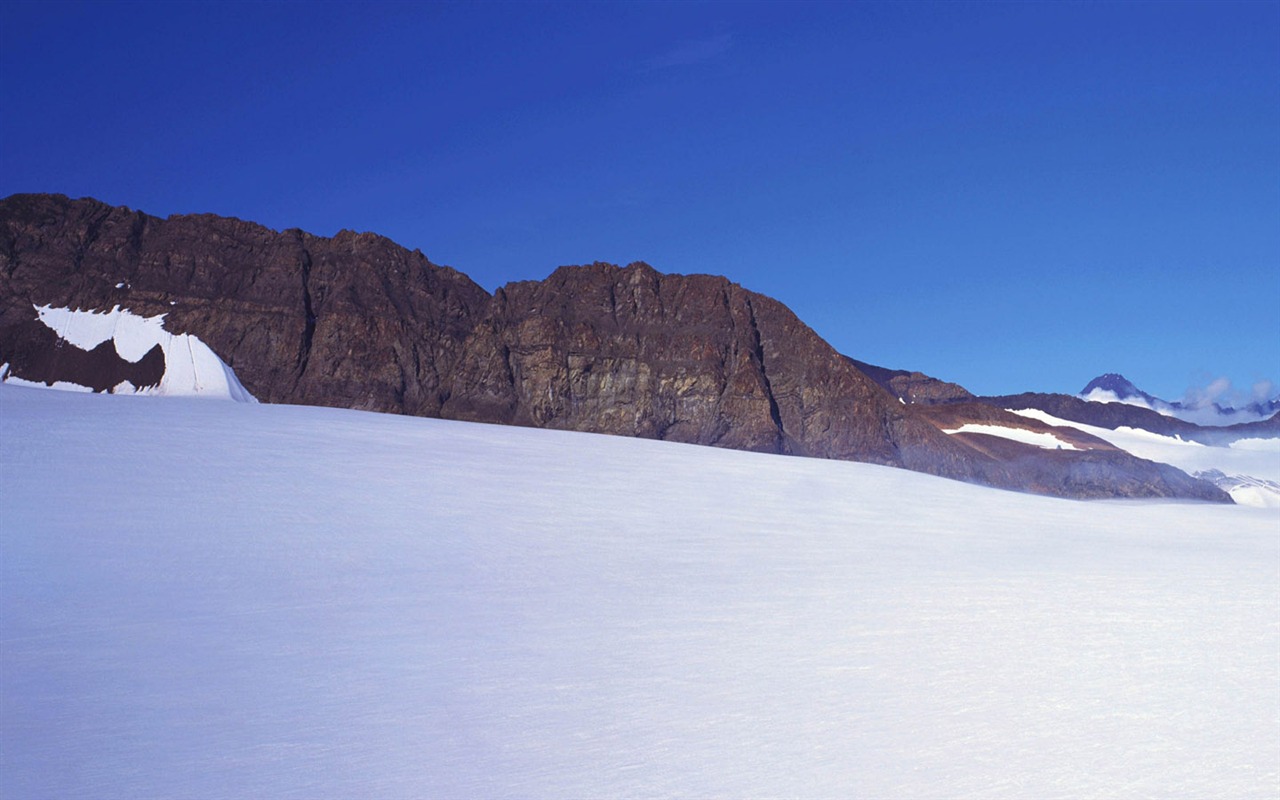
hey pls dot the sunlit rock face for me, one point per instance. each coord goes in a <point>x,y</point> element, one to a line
<point>686,358</point>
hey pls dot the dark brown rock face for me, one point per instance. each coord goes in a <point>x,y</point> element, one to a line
<point>34,352</point>
<point>914,387</point>
<point>357,321</point>
<point>685,358</point>
<point>353,321</point>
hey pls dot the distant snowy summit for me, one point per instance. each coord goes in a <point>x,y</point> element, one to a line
<point>119,352</point>
<point>1115,388</point>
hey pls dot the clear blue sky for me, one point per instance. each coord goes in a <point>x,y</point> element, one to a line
<point>1012,196</point>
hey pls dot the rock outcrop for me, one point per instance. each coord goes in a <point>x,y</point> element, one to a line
<point>35,352</point>
<point>357,321</point>
<point>354,321</point>
<point>691,358</point>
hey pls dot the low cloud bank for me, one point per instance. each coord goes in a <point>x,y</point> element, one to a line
<point>1217,402</point>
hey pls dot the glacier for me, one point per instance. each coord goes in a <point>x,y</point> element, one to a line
<point>222,600</point>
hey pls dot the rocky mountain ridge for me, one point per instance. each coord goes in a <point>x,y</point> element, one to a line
<point>357,321</point>
<point>1115,415</point>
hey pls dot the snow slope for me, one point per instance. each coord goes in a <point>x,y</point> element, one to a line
<point>222,600</point>
<point>191,368</point>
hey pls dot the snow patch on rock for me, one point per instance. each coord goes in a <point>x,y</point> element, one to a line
<point>191,368</point>
<point>1045,441</point>
<point>1250,467</point>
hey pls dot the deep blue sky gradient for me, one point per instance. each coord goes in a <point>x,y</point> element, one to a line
<point>1012,196</point>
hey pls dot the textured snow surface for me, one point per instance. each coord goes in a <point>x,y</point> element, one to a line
<point>191,368</point>
<point>1046,441</point>
<point>223,600</point>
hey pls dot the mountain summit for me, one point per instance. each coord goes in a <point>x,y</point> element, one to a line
<point>1118,385</point>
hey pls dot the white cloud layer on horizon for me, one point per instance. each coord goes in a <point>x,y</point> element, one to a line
<point>1198,403</point>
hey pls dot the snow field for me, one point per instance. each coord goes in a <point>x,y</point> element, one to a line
<point>226,600</point>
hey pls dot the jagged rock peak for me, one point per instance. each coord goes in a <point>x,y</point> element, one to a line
<point>1115,383</point>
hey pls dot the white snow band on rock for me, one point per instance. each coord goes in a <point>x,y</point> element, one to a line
<point>191,368</point>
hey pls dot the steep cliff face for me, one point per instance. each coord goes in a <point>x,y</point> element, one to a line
<point>352,321</point>
<point>687,358</point>
<point>357,321</point>
<point>625,351</point>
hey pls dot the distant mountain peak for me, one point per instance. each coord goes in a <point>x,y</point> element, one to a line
<point>1112,382</point>
<point>1117,384</point>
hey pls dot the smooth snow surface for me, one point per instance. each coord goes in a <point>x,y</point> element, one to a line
<point>1247,458</point>
<point>191,368</point>
<point>220,600</point>
<point>1046,441</point>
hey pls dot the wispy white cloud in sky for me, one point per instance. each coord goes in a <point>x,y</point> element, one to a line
<point>1202,396</point>
<point>692,51</point>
